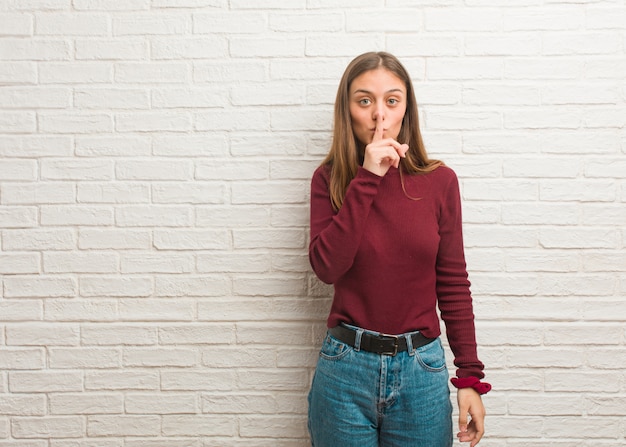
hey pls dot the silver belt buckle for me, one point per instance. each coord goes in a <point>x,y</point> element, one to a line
<point>395,344</point>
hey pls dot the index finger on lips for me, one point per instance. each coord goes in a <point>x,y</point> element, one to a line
<point>379,131</point>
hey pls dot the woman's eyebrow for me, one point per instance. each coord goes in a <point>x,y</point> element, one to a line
<point>393,90</point>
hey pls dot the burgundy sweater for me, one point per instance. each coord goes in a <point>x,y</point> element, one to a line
<point>393,259</point>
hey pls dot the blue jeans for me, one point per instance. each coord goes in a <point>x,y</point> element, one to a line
<point>363,399</point>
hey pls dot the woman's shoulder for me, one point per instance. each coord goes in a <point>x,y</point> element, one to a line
<point>443,174</point>
<point>321,175</point>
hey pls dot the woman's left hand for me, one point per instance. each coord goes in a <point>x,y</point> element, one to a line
<point>470,403</point>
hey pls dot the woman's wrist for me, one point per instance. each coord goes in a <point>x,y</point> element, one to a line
<point>471,382</point>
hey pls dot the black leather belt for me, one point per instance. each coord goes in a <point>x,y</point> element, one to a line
<point>379,343</point>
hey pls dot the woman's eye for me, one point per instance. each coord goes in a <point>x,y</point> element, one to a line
<point>392,101</point>
<point>364,102</point>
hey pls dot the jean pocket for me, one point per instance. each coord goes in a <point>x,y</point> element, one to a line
<point>333,349</point>
<point>432,356</point>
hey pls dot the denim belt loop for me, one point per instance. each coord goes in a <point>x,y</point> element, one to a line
<point>409,344</point>
<point>357,339</point>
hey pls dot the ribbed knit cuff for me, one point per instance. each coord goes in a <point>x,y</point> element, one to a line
<point>471,382</point>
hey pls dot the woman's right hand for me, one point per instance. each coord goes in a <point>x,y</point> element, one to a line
<point>383,153</point>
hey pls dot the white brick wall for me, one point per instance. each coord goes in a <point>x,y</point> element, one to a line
<point>155,158</point>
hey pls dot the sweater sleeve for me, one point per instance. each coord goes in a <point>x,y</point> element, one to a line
<point>336,236</point>
<point>453,287</point>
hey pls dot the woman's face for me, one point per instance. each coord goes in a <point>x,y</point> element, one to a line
<point>377,95</point>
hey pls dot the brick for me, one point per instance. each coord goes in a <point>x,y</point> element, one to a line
<point>107,335</point>
<point>109,98</point>
<point>229,71</point>
<point>172,98</point>
<point>161,357</point>
<point>15,49</point>
<point>113,239</point>
<point>214,425</point>
<point>111,146</point>
<point>39,286</point>
<point>189,48</point>
<point>37,239</point>
<point>270,94</point>
<point>75,123</point>
<point>21,358</point>
<point>108,5</point>
<point>48,427</point>
<point>293,22</point>
<point>18,73</point>
<point>236,23</point>
<point>578,43</point>
<point>112,49</point>
<point>468,19</point>
<point>161,263</point>
<point>45,381</point>
<point>153,170</point>
<point>152,24</point>
<point>35,146</point>
<point>152,121</point>
<point>285,238</point>
<point>541,69</point>
<point>151,72</point>
<point>235,170</point>
<point>196,334</point>
<point>191,145</point>
<point>197,193</point>
<point>232,120</point>
<point>192,286</point>
<point>191,240</point>
<point>208,380</point>
<point>72,262</point>
<point>71,215</point>
<point>110,286</point>
<point>76,169</point>
<point>38,193</point>
<point>233,262</point>
<point>170,403</point>
<point>16,25</point>
<point>258,403</point>
<point>156,310</point>
<point>43,335</point>
<point>237,216</point>
<point>269,286</point>
<point>267,47</point>
<point>118,192</point>
<point>524,45</point>
<point>19,263</point>
<point>17,122</point>
<point>259,426</point>
<point>20,170</point>
<point>80,310</point>
<point>352,44</point>
<point>148,216</point>
<point>424,45</point>
<point>86,403</point>
<point>122,380</point>
<point>83,358</point>
<point>562,18</point>
<point>525,168</point>
<point>34,98</point>
<point>126,425</point>
<point>54,24</point>
<point>23,405</point>
<point>75,73</point>
<point>268,144</point>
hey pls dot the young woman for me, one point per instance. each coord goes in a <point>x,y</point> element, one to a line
<point>386,232</point>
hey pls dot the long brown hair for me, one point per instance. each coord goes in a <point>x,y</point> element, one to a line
<point>346,152</point>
